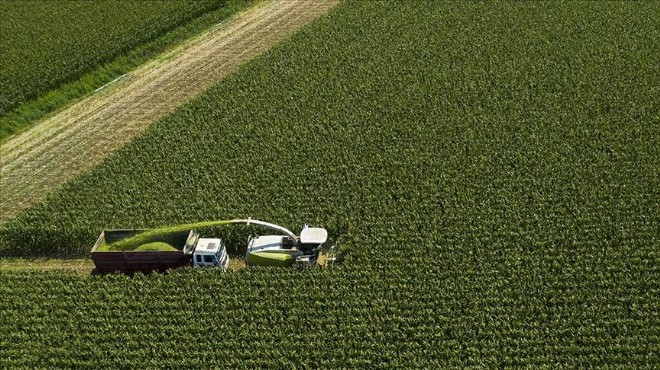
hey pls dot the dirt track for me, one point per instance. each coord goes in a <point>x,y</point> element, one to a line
<point>41,159</point>
<point>83,266</point>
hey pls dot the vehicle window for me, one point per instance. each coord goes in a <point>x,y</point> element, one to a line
<point>208,258</point>
<point>199,258</point>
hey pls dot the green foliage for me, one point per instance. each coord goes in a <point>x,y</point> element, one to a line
<point>414,315</point>
<point>139,239</point>
<point>153,246</point>
<point>156,246</point>
<point>46,44</point>
<point>492,166</point>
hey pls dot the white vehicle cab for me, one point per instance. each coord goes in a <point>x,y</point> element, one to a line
<point>210,252</point>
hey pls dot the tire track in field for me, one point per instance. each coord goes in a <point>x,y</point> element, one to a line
<point>41,159</point>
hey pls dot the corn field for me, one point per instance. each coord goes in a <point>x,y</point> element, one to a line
<point>47,43</point>
<point>492,169</point>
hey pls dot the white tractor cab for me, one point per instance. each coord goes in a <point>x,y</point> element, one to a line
<point>287,250</point>
<point>207,252</point>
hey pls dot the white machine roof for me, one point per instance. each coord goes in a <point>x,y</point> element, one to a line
<point>208,245</point>
<point>266,242</point>
<point>313,235</point>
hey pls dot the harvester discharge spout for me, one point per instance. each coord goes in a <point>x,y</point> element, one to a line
<point>269,225</point>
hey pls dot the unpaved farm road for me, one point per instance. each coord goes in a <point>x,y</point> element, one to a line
<point>82,266</point>
<point>41,159</point>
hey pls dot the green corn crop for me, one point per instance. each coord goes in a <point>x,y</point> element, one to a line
<point>492,166</point>
<point>54,52</point>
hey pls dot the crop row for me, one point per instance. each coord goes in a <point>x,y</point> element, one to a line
<point>492,168</point>
<point>47,43</point>
<point>331,318</point>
